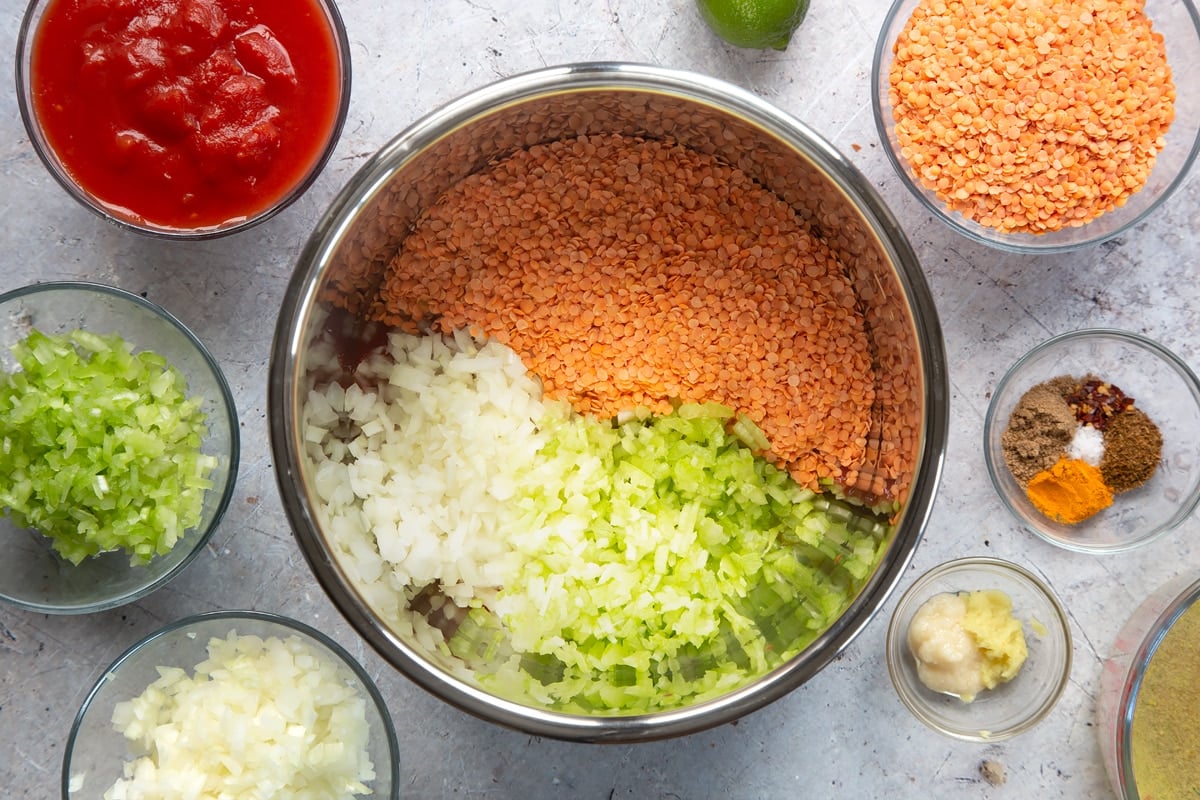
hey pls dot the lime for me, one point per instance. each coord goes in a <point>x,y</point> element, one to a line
<point>757,24</point>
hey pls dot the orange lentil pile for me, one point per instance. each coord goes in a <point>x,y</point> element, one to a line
<point>1031,115</point>
<point>628,272</point>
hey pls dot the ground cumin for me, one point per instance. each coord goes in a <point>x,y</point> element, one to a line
<point>630,272</point>
<point>1039,429</point>
<point>1031,116</point>
<point>1132,448</point>
<point>1070,491</point>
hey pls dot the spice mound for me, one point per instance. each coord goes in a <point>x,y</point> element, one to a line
<point>1035,116</point>
<point>1073,444</point>
<point>966,642</point>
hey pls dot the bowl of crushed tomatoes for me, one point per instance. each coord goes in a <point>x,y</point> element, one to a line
<point>183,118</point>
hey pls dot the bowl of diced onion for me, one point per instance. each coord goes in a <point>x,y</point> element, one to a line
<point>233,704</point>
<point>608,402</point>
<point>120,449</point>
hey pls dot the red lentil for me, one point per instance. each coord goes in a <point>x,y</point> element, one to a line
<point>1031,115</point>
<point>628,272</point>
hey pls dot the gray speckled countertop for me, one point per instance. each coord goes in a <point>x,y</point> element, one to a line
<point>842,734</point>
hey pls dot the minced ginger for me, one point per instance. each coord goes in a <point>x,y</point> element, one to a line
<point>965,643</point>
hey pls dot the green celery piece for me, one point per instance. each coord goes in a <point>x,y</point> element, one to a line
<point>102,446</point>
<point>684,545</point>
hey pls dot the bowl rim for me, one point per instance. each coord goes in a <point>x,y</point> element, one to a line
<point>1182,602</point>
<point>300,300</point>
<point>294,625</point>
<point>225,401</point>
<point>1013,243</point>
<point>995,467</point>
<point>893,646</point>
<point>26,35</point>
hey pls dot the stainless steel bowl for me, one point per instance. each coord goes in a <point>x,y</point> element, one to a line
<point>351,246</point>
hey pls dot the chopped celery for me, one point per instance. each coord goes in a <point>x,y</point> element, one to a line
<point>100,447</point>
<point>660,560</point>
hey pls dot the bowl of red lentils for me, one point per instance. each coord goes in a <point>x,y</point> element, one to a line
<point>1039,127</point>
<point>1092,440</point>
<point>589,301</point>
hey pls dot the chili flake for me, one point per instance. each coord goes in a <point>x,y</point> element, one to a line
<point>1096,402</point>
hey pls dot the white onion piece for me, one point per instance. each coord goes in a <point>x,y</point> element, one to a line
<point>259,719</point>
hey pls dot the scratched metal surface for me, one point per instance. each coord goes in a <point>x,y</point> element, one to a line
<point>842,734</point>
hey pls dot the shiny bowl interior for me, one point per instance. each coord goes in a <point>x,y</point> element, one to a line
<point>32,575</point>
<point>1010,708</point>
<point>96,752</point>
<point>34,14</point>
<point>1124,674</point>
<point>353,243</point>
<point>1179,25</point>
<point>1161,384</point>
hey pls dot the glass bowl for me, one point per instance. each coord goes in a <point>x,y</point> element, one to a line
<point>1179,25</point>
<point>1134,680</point>
<point>1010,708</point>
<point>165,166</point>
<point>34,576</point>
<point>1161,384</point>
<point>96,751</point>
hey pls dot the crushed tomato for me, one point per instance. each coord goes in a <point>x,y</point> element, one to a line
<point>186,114</point>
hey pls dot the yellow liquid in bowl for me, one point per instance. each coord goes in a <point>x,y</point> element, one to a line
<point>1165,738</point>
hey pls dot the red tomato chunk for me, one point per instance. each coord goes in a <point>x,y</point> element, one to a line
<point>186,114</point>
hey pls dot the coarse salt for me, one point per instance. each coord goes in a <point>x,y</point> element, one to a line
<point>1087,445</point>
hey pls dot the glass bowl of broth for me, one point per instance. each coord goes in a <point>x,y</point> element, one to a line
<point>1149,692</point>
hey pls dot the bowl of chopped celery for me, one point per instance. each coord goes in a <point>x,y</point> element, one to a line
<point>120,447</point>
<point>233,704</point>
<point>608,402</point>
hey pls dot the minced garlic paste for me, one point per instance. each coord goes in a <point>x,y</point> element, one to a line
<point>964,643</point>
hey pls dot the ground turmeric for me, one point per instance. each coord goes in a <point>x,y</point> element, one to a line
<point>1070,491</point>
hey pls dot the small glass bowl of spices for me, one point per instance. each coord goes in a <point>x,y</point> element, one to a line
<point>1092,440</point>
<point>979,649</point>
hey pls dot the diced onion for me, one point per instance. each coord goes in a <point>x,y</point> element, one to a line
<point>260,719</point>
<point>624,567</point>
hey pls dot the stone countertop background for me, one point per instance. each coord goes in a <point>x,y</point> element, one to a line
<point>844,733</point>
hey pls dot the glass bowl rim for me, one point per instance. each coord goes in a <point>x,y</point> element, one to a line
<point>294,625</point>
<point>892,648</point>
<point>24,44</point>
<point>1179,605</point>
<point>1189,378</point>
<point>225,402</point>
<point>1002,241</point>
